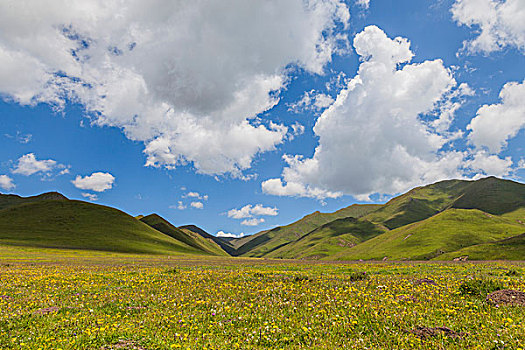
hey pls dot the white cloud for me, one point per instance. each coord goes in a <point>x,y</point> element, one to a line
<point>364,3</point>
<point>197,205</point>
<point>6,183</point>
<point>500,23</point>
<point>252,222</point>
<point>486,164</point>
<point>98,182</point>
<point>20,137</point>
<point>311,101</point>
<point>249,211</point>
<point>495,124</point>
<point>179,206</point>
<point>187,78</point>
<point>196,195</point>
<point>29,165</point>
<point>90,196</point>
<point>229,235</point>
<point>373,139</point>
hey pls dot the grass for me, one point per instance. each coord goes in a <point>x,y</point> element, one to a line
<point>329,239</point>
<point>265,242</point>
<point>447,232</point>
<point>126,301</point>
<point>206,246</point>
<point>80,225</point>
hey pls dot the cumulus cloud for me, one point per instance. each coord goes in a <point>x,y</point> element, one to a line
<point>484,164</point>
<point>197,205</point>
<point>98,182</point>
<point>90,196</point>
<point>373,138</point>
<point>495,124</point>
<point>29,165</point>
<point>229,235</point>
<point>249,211</point>
<point>196,195</point>
<point>179,76</point>
<point>500,23</point>
<point>252,222</point>
<point>6,183</point>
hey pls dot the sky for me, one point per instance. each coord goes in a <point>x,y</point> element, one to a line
<point>242,115</point>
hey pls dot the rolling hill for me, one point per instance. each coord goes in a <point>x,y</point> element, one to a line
<point>52,221</point>
<point>224,244</point>
<point>265,242</point>
<point>186,236</point>
<point>436,218</point>
<point>445,232</point>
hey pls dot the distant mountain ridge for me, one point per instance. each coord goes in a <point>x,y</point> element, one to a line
<point>481,219</point>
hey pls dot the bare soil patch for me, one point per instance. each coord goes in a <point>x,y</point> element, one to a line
<point>428,332</point>
<point>507,297</point>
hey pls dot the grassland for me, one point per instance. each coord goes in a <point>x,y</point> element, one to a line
<point>60,299</point>
<point>80,225</point>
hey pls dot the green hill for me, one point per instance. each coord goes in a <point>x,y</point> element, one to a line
<point>73,224</point>
<point>188,237</point>
<point>265,242</point>
<point>10,200</point>
<point>329,239</point>
<point>491,195</point>
<point>445,232</point>
<point>224,244</point>
<point>512,248</point>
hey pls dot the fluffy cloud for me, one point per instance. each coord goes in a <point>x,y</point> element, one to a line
<point>373,138</point>
<point>187,78</point>
<point>6,183</point>
<point>29,165</point>
<point>252,222</point>
<point>196,195</point>
<point>179,206</point>
<point>484,164</point>
<point>249,211</point>
<point>501,23</point>
<point>98,182</point>
<point>197,205</point>
<point>495,124</point>
<point>229,235</point>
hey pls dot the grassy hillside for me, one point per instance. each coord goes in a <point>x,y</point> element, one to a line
<point>512,248</point>
<point>10,200</point>
<point>329,239</point>
<point>491,195</point>
<point>265,242</point>
<point>448,231</point>
<point>188,237</point>
<point>81,225</point>
<point>224,244</point>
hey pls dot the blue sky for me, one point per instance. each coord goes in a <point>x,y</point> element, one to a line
<point>257,113</point>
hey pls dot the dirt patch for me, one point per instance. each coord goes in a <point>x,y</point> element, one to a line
<point>425,281</point>
<point>428,332</point>
<point>507,297</point>
<point>124,344</point>
<point>46,310</point>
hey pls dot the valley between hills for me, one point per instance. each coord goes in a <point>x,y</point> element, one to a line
<point>453,219</point>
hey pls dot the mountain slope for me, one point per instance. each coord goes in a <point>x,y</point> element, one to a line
<point>445,232</point>
<point>491,195</point>
<point>10,200</point>
<point>265,242</point>
<point>222,243</point>
<point>329,239</point>
<point>80,225</point>
<point>190,238</point>
<point>512,248</point>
